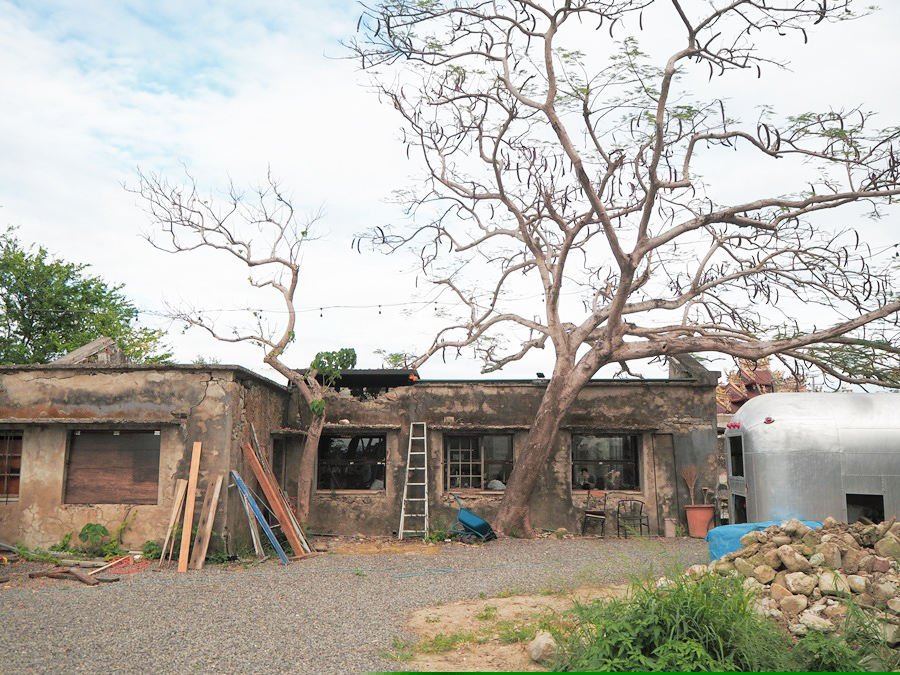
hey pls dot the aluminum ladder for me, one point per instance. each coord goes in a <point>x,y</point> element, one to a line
<point>414,507</point>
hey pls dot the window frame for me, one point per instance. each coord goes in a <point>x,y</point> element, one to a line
<point>486,467</point>
<point>382,462</point>
<point>577,464</point>
<point>736,450</point>
<point>8,472</point>
<point>70,487</point>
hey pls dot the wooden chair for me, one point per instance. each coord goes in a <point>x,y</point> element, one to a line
<point>630,514</point>
<point>595,511</point>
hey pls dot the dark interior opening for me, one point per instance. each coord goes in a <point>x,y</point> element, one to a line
<point>739,509</point>
<point>865,506</point>
<point>736,450</point>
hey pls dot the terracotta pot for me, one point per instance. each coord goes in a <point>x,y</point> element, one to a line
<point>700,519</point>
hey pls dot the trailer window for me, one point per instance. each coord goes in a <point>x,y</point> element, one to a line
<point>736,450</point>
<point>870,507</point>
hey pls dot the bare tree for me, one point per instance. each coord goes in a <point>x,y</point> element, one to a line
<point>262,230</point>
<point>577,173</point>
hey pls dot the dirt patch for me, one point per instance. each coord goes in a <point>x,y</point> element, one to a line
<point>493,633</point>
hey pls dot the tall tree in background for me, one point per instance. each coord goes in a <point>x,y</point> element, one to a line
<point>575,174</point>
<point>49,307</point>
<point>261,229</point>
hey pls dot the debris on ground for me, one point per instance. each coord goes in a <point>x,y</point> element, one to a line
<point>805,578</point>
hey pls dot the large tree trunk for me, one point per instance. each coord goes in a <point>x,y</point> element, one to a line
<point>513,516</point>
<point>307,475</point>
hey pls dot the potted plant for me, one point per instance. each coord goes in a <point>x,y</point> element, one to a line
<point>699,516</point>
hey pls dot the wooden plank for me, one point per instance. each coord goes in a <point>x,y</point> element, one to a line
<point>259,516</point>
<point>189,508</point>
<point>177,505</point>
<point>254,527</point>
<point>110,564</point>
<point>276,501</point>
<point>82,576</point>
<point>267,468</point>
<point>204,525</point>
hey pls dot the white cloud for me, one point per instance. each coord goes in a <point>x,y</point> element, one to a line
<point>93,89</point>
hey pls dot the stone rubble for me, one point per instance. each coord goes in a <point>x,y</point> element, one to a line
<point>805,577</point>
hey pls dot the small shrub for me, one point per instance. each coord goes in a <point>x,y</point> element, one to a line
<point>489,612</point>
<point>401,650</point>
<point>111,549</point>
<point>819,653</point>
<point>92,536</point>
<point>151,550</point>
<point>64,543</point>
<point>707,625</point>
<point>511,632</point>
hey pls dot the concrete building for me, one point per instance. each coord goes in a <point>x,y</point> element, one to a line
<point>91,442</point>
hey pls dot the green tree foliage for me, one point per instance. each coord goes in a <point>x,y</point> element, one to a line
<point>49,307</point>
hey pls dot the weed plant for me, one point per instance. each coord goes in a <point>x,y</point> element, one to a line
<point>704,626</point>
<point>151,550</point>
<point>708,625</point>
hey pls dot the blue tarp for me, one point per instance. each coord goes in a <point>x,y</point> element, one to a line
<point>727,538</point>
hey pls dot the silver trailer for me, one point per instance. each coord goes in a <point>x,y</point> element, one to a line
<point>813,455</point>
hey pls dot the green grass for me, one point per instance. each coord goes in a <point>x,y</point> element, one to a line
<point>707,625</point>
<point>401,650</point>
<point>445,642</point>
<point>487,614</point>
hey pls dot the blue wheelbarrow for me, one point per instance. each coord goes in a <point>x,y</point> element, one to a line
<point>467,523</point>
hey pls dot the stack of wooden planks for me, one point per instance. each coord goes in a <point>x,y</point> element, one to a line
<point>277,501</point>
<point>184,502</point>
<point>183,511</point>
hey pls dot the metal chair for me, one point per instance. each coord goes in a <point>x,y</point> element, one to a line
<point>595,511</point>
<point>630,514</point>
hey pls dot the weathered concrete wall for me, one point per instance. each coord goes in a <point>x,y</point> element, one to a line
<point>208,404</point>
<point>260,408</point>
<point>674,418</point>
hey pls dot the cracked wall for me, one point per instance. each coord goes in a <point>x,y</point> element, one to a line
<point>675,420</point>
<point>185,403</point>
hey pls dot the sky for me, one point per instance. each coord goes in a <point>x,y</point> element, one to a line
<point>91,90</point>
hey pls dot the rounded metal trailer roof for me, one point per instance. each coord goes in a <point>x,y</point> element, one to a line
<point>808,455</point>
<point>820,422</point>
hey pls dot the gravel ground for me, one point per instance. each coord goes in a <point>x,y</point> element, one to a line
<point>328,614</point>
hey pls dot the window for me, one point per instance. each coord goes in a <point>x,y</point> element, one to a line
<point>480,462</point>
<point>736,450</point>
<point>10,465</point>
<point>351,462</point>
<point>606,462</point>
<point>870,507</point>
<point>112,467</point>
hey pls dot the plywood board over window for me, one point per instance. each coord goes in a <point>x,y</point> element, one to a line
<point>113,467</point>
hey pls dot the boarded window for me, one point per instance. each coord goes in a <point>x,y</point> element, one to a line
<point>351,462</point>
<point>113,467</point>
<point>606,462</point>
<point>10,465</point>
<point>479,462</point>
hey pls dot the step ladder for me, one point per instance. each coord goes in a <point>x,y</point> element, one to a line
<point>414,509</point>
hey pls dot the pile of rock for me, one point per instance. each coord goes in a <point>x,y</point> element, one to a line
<point>805,577</point>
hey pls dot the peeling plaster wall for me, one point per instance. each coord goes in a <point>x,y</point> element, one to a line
<point>262,407</point>
<point>186,403</point>
<point>675,419</point>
